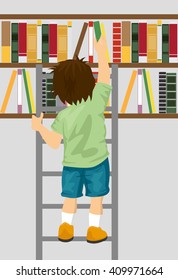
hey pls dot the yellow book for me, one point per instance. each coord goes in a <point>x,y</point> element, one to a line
<point>62,42</point>
<point>31,43</point>
<point>30,92</point>
<point>103,32</point>
<point>152,43</point>
<point>128,92</point>
<point>126,54</point>
<point>151,92</point>
<point>8,91</point>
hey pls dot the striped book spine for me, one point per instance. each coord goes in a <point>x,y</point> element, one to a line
<point>135,42</point>
<point>116,42</point>
<point>147,91</point>
<point>22,43</point>
<point>140,90</point>
<point>47,96</point>
<point>126,42</point>
<point>45,43</point>
<point>19,91</point>
<point>61,42</point>
<point>70,44</point>
<point>90,41</point>
<point>5,41</point>
<point>14,42</point>
<point>173,57</point>
<point>151,43</point>
<point>159,41</point>
<point>32,101</point>
<point>31,43</point>
<point>53,42</point>
<point>27,91</point>
<point>165,43</point>
<point>162,92</point>
<point>171,92</point>
<point>39,41</point>
<point>44,93</point>
<point>142,42</point>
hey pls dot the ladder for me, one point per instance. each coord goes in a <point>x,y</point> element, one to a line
<point>113,206</point>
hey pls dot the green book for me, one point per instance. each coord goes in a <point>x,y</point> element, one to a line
<point>165,42</point>
<point>45,43</point>
<point>147,90</point>
<point>171,93</point>
<point>134,42</point>
<point>14,42</point>
<point>27,91</point>
<point>97,30</point>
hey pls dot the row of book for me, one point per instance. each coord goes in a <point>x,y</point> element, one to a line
<point>167,91</point>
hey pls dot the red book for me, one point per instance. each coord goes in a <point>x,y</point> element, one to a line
<point>116,42</point>
<point>90,41</point>
<point>173,42</point>
<point>53,42</point>
<point>22,41</point>
<point>142,42</point>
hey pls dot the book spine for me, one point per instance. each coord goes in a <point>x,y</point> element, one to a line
<point>19,91</point>
<point>126,42</point>
<point>151,92</point>
<point>69,47</point>
<point>97,30</point>
<point>27,91</point>
<point>151,43</point>
<point>173,42</point>
<point>5,42</point>
<point>140,91</point>
<point>22,43</point>
<point>39,41</point>
<point>159,41</point>
<point>134,42</point>
<point>103,32</point>
<point>30,92</point>
<point>14,42</point>
<point>171,92</point>
<point>90,41</point>
<point>162,92</point>
<point>142,42</point>
<point>61,42</point>
<point>165,43</point>
<point>44,93</point>
<point>116,42</point>
<point>147,90</point>
<point>53,42</point>
<point>45,43</point>
<point>31,43</point>
<point>50,100</point>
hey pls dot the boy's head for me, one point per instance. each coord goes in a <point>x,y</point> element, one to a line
<point>72,81</point>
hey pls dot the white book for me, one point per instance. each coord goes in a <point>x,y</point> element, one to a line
<point>39,41</point>
<point>139,90</point>
<point>159,41</point>
<point>142,59</point>
<point>69,47</point>
<point>19,91</point>
<point>52,59</point>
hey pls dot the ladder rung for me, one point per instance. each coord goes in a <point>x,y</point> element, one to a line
<point>76,238</point>
<point>51,173</point>
<point>108,141</point>
<point>79,206</point>
<point>43,142</point>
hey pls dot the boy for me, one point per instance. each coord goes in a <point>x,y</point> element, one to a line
<point>82,128</point>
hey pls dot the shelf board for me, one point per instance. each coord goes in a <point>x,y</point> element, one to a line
<point>88,16</point>
<point>107,116</point>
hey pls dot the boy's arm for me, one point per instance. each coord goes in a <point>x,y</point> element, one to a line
<point>51,138</point>
<point>103,66</point>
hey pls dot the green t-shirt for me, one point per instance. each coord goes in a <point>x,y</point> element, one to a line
<point>83,129</point>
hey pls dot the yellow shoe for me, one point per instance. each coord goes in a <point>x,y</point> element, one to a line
<point>96,235</point>
<point>65,232</point>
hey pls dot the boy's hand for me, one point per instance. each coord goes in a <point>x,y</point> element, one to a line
<point>36,122</point>
<point>100,46</point>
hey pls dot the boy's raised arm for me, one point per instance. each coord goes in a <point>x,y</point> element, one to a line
<point>103,66</point>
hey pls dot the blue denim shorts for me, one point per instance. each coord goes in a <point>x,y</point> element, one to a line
<point>95,179</point>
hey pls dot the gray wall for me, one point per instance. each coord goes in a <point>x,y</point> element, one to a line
<point>147,165</point>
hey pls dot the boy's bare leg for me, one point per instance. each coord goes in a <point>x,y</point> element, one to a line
<point>96,205</point>
<point>70,205</point>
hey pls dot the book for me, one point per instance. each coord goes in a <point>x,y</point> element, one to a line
<point>103,32</point>
<point>128,92</point>
<point>52,42</point>
<point>97,29</point>
<point>27,91</point>
<point>8,91</point>
<point>116,37</point>
<point>45,43</point>
<point>22,42</point>
<point>80,40</point>
<point>150,89</point>
<point>165,42</point>
<point>142,42</point>
<point>90,41</point>
<point>14,42</point>
<point>19,91</point>
<point>47,96</point>
<point>31,43</point>
<point>159,41</point>
<point>139,91</point>
<point>134,42</point>
<point>70,45</point>
<point>171,92</point>
<point>162,92</point>
<point>147,90</point>
<point>29,84</point>
<point>5,41</point>
<point>61,42</point>
<point>126,42</point>
<point>173,56</point>
<point>39,41</point>
<point>151,43</point>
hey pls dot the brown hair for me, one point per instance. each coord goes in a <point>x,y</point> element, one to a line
<point>72,81</point>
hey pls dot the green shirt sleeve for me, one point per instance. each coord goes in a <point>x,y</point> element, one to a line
<point>100,96</point>
<point>57,125</point>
